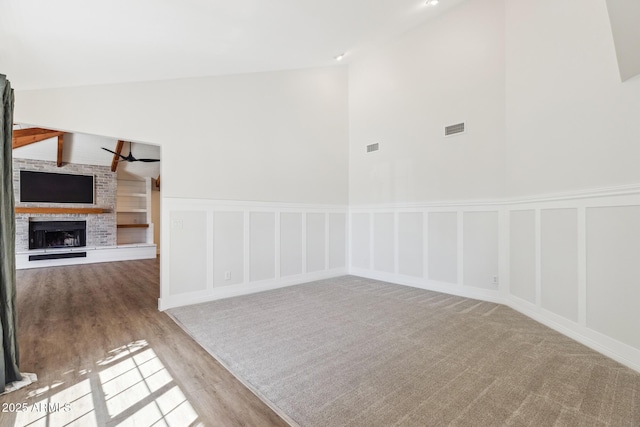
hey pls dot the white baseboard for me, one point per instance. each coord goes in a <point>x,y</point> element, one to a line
<point>432,285</point>
<point>245,289</point>
<point>618,351</point>
<point>523,262</point>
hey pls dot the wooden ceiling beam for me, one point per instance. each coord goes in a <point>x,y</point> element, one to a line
<point>22,137</point>
<point>116,157</point>
<point>30,132</point>
<point>60,148</point>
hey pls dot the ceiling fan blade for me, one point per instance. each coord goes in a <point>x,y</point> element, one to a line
<point>106,149</point>
<point>148,160</point>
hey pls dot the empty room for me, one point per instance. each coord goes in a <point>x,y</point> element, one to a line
<point>339,213</point>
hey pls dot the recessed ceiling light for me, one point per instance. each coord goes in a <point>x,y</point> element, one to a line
<point>339,57</point>
<point>432,2</point>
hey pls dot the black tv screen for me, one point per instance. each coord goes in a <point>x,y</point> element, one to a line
<point>55,187</point>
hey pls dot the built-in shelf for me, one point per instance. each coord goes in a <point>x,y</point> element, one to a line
<point>134,212</point>
<point>38,210</point>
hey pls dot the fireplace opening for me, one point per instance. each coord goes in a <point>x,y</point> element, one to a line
<point>57,234</point>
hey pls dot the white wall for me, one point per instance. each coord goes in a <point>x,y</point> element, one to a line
<point>571,123</point>
<point>547,117</point>
<point>240,137</point>
<point>404,93</point>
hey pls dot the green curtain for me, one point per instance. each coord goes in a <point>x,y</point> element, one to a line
<point>9,363</point>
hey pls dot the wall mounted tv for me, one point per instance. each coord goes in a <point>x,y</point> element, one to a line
<point>55,187</point>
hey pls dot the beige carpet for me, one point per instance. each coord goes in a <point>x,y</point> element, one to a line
<point>358,352</point>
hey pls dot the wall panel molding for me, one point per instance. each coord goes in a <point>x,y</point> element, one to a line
<point>219,261</point>
<point>550,302</point>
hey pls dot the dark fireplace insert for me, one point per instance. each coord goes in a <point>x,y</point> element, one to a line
<point>57,234</point>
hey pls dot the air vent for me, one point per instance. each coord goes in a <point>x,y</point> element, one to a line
<point>373,147</point>
<point>454,129</point>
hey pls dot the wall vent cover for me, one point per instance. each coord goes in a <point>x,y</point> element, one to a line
<point>373,147</point>
<point>454,129</point>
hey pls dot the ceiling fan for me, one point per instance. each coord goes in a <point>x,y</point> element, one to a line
<point>129,157</point>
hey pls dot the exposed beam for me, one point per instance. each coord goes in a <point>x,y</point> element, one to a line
<point>116,157</point>
<point>30,132</point>
<point>22,137</point>
<point>60,147</point>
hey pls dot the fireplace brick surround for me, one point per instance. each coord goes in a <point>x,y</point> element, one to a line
<point>101,228</point>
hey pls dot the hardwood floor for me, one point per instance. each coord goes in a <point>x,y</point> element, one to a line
<point>105,355</point>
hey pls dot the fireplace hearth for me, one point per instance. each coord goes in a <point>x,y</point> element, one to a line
<point>57,234</point>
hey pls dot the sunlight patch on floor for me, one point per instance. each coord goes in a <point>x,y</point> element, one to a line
<point>131,387</point>
<point>70,406</point>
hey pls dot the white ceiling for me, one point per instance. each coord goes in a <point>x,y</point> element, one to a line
<point>80,42</point>
<point>624,16</point>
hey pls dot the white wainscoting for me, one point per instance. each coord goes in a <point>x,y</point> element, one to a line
<point>426,247</point>
<point>220,249</point>
<point>570,261</point>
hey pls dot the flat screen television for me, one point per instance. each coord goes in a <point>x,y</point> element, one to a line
<point>50,187</point>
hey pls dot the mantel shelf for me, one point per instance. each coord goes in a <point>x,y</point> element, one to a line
<point>39,210</point>
<point>133,225</point>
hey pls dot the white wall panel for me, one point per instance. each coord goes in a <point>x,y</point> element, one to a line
<point>403,93</point>
<point>360,240</point>
<point>559,262</point>
<point>228,249</point>
<point>383,242</point>
<point>571,124</point>
<point>613,272</point>
<point>443,246</point>
<point>262,244</point>
<point>480,249</point>
<point>411,244</point>
<point>522,255</point>
<point>337,240</point>
<point>279,136</point>
<point>290,244</point>
<point>188,236</point>
<point>569,261</point>
<point>315,242</point>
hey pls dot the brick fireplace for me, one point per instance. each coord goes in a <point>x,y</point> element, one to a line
<point>100,228</point>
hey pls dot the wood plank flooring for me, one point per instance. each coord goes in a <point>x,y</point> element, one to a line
<point>105,355</point>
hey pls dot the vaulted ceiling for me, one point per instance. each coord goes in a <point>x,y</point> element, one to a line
<point>77,42</point>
